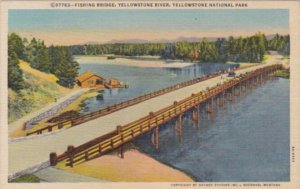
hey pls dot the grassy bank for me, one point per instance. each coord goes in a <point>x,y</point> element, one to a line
<point>285,73</point>
<point>29,178</point>
<point>74,106</point>
<point>40,90</point>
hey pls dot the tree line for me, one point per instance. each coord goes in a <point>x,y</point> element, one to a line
<point>240,49</point>
<point>57,60</point>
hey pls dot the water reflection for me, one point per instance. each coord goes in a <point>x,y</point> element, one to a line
<point>142,80</point>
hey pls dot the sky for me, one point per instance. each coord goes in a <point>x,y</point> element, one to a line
<point>67,27</point>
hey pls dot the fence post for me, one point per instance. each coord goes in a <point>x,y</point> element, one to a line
<point>121,152</point>
<point>59,125</point>
<point>70,154</point>
<point>86,155</point>
<point>53,159</point>
<point>49,128</point>
<point>151,114</point>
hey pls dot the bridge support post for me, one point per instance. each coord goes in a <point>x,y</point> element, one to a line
<point>236,90</point>
<point>229,95</point>
<point>256,80</point>
<point>212,104</point>
<point>248,83</point>
<point>232,93</point>
<point>206,107</point>
<point>198,115</point>
<point>154,138</point>
<point>195,116</point>
<point>178,127</point>
<point>223,99</point>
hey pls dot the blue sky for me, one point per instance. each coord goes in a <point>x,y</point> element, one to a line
<point>79,26</point>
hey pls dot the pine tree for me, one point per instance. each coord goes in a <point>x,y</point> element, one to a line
<point>16,45</point>
<point>15,74</point>
<point>66,67</point>
<point>43,60</point>
<point>15,50</point>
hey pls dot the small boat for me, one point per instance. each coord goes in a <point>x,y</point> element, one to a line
<point>99,96</point>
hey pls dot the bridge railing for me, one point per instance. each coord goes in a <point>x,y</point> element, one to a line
<point>73,121</point>
<point>128,132</point>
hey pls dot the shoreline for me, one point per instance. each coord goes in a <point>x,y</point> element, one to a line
<point>146,61</point>
<point>142,166</point>
<point>135,62</point>
<point>167,164</point>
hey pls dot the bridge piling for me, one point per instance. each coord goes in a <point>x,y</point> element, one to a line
<point>228,96</point>
<point>198,115</point>
<point>207,104</point>
<point>232,93</point>
<point>245,86</point>
<point>212,105</point>
<point>223,99</point>
<point>249,85</point>
<point>178,128</point>
<point>154,138</point>
<point>195,116</point>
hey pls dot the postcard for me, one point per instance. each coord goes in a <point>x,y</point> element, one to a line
<point>150,94</point>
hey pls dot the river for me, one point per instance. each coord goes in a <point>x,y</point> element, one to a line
<point>248,140</point>
<point>141,80</point>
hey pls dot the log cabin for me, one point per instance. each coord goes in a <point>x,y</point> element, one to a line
<point>90,80</point>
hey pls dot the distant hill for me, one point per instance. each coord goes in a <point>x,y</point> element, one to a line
<point>136,40</point>
<point>178,39</point>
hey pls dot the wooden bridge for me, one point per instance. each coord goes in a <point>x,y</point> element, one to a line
<point>77,120</point>
<point>152,122</point>
<point>98,133</point>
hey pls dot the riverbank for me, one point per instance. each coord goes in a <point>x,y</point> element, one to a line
<point>16,129</point>
<point>40,95</point>
<point>284,73</point>
<point>147,62</point>
<point>40,88</point>
<point>135,167</point>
